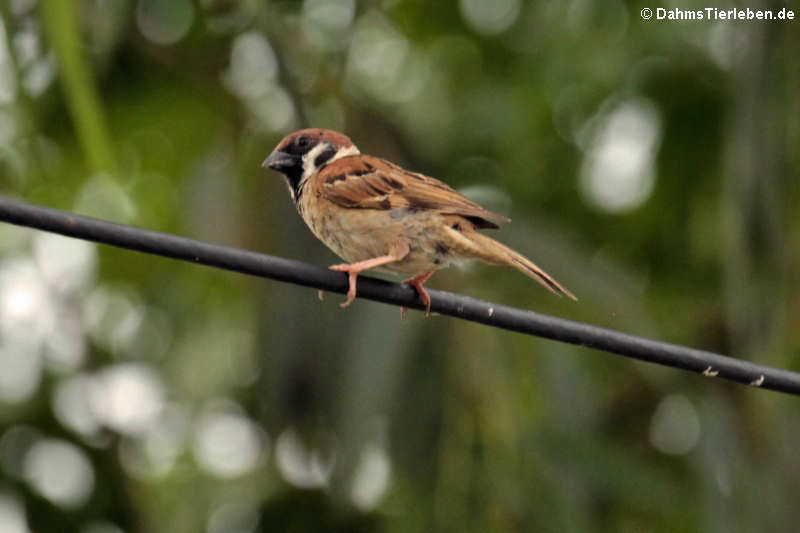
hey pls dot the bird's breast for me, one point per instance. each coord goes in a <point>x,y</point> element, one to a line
<point>360,234</point>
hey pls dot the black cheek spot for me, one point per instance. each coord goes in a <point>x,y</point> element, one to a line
<point>325,156</point>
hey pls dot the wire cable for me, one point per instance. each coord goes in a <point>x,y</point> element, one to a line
<point>706,363</point>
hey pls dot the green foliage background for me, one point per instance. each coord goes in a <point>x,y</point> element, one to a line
<point>649,165</point>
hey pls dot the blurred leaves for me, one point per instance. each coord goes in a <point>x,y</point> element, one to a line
<point>649,165</point>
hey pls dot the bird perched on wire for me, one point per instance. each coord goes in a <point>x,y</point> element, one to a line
<point>377,215</point>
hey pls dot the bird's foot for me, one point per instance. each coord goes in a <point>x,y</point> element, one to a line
<point>354,269</point>
<point>417,282</point>
<point>352,274</point>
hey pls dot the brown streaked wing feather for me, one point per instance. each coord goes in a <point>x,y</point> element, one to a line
<point>368,182</point>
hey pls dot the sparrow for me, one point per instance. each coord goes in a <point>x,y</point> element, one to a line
<point>377,215</point>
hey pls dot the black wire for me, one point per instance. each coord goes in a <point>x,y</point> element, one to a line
<point>495,315</point>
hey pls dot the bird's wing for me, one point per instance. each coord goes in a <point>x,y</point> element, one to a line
<point>366,182</point>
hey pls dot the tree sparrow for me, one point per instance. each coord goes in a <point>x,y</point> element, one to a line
<point>375,214</point>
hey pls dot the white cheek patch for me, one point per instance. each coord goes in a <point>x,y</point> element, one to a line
<point>344,152</point>
<point>309,166</point>
<point>311,155</point>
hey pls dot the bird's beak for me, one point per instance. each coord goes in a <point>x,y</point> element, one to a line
<point>279,160</point>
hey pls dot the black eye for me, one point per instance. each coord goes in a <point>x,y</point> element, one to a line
<point>303,141</point>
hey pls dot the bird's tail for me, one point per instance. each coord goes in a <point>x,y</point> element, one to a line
<point>491,251</point>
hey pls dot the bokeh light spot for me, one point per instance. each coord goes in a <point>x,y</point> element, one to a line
<point>489,18</point>
<point>233,517</point>
<point>127,397</point>
<point>39,75</point>
<point>618,172</point>
<point>382,62</point>
<point>302,467</point>
<point>66,264</point>
<point>153,454</point>
<point>113,318</point>
<point>27,317</point>
<point>228,444</point>
<point>12,515</point>
<point>60,472</point>
<point>101,197</point>
<point>20,7</point>
<point>371,478</point>
<point>164,22</point>
<point>325,22</point>
<point>274,110</point>
<point>253,66</point>
<point>21,373</point>
<point>72,406</point>
<point>65,348</point>
<point>675,426</point>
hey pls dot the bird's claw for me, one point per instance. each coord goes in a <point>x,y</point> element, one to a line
<point>417,282</point>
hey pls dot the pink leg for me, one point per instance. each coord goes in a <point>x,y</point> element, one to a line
<point>354,269</point>
<point>417,282</point>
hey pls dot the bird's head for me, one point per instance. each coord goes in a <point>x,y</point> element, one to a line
<point>302,153</point>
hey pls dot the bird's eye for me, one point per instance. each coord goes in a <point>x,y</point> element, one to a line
<point>303,141</point>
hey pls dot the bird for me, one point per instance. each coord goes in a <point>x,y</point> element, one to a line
<point>375,214</point>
